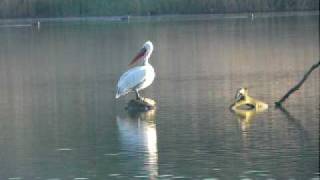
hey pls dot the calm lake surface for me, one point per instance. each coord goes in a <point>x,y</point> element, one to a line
<point>59,119</point>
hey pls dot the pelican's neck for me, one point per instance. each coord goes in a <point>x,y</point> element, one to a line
<point>146,62</point>
<point>147,56</point>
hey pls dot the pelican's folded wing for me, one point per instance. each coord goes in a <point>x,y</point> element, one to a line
<point>129,80</point>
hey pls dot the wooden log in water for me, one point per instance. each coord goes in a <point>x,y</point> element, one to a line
<point>297,86</point>
<point>145,104</point>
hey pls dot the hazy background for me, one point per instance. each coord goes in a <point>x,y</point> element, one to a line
<point>71,8</point>
<point>59,118</point>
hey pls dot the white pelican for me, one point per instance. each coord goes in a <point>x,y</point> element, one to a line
<point>140,77</point>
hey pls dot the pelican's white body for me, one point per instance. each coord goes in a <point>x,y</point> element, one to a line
<point>137,78</point>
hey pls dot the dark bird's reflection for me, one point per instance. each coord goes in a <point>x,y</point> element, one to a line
<point>138,136</point>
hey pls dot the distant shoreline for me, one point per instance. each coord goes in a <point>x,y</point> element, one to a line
<point>167,17</point>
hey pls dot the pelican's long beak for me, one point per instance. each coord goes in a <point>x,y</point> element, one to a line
<point>140,54</point>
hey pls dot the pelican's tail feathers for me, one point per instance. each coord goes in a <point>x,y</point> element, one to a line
<point>118,94</point>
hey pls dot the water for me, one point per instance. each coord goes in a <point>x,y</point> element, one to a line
<point>59,118</point>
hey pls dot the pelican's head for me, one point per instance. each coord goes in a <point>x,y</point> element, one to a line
<point>241,94</point>
<point>148,45</point>
<point>144,52</point>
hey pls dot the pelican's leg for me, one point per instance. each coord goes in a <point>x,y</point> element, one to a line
<point>137,94</point>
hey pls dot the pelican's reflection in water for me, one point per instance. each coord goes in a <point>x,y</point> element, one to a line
<point>138,135</point>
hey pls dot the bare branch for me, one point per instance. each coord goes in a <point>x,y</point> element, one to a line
<point>297,86</point>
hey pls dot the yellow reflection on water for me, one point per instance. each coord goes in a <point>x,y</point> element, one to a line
<point>245,117</point>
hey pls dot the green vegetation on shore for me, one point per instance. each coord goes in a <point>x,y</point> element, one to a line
<point>82,8</point>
